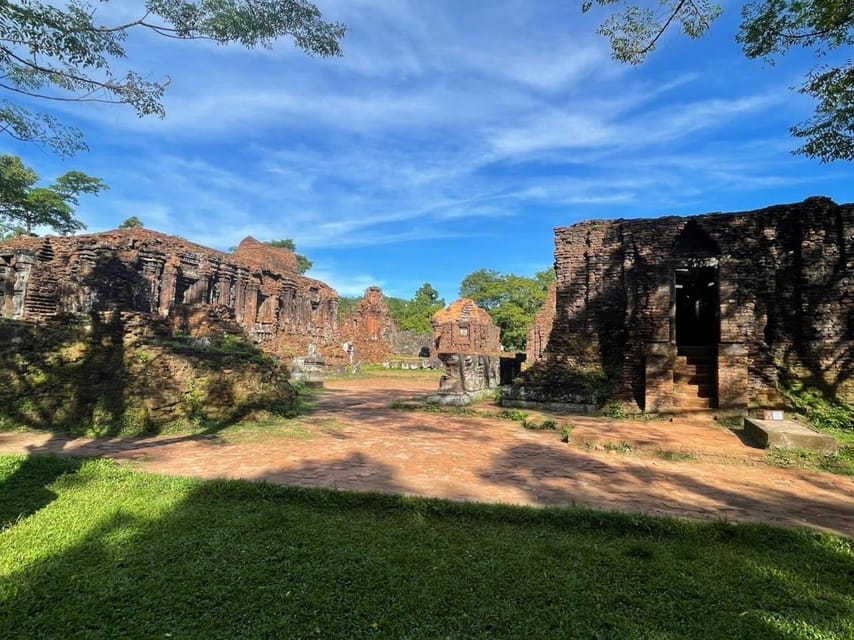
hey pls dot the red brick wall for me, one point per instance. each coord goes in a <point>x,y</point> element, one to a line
<point>786,290</point>
<point>463,327</point>
<point>142,270</point>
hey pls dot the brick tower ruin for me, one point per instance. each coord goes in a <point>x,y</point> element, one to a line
<point>676,313</point>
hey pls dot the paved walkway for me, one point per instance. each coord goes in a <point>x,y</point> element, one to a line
<point>372,447</point>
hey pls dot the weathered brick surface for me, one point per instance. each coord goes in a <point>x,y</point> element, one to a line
<point>785,291</point>
<point>257,288</point>
<point>370,329</point>
<point>463,327</point>
<point>538,334</point>
<point>468,344</point>
<point>262,256</point>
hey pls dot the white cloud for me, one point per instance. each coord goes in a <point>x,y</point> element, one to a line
<point>448,126</point>
<point>349,285</point>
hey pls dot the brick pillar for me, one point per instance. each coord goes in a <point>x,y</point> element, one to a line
<point>732,376</point>
<point>658,380</point>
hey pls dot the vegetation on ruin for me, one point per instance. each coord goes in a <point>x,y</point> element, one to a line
<point>92,548</point>
<point>769,29</point>
<point>829,415</point>
<point>64,52</point>
<point>589,382</point>
<point>347,306</point>
<point>95,381</point>
<point>512,301</point>
<point>814,406</point>
<point>132,223</point>
<point>25,206</point>
<point>840,463</point>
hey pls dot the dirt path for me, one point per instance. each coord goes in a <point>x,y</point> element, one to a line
<point>376,448</point>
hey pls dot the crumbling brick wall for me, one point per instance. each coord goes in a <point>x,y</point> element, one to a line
<point>463,327</point>
<point>370,329</point>
<point>258,287</point>
<point>468,344</point>
<point>785,286</point>
<point>541,328</point>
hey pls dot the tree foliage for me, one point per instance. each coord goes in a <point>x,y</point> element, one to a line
<point>303,263</point>
<point>24,206</point>
<point>512,301</point>
<point>768,30</point>
<point>63,52</point>
<point>132,223</point>
<point>415,314</point>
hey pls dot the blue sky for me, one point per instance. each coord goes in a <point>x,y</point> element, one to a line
<point>452,135</point>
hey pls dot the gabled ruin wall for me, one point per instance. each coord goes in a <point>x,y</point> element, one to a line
<point>786,289</point>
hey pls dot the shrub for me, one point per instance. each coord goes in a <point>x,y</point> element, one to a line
<point>615,411</point>
<point>514,414</point>
<point>565,432</point>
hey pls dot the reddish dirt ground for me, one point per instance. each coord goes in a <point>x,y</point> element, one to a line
<point>376,448</point>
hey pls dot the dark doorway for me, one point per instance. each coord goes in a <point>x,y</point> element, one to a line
<point>696,293</point>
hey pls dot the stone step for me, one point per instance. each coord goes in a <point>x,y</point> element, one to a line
<point>694,391</point>
<point>703,364</point>
<point>695,379</point>
<point>681,362</point>
<point>693,403</point>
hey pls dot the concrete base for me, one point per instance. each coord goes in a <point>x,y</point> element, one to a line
<point>788,434</point>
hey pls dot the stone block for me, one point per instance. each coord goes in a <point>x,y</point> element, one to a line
<point>788,434</point>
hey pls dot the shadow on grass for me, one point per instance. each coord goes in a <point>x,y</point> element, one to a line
<point>145,556</point>
<point>24,484</point>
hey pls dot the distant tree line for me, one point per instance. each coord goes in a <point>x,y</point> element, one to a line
<point>511,300</point>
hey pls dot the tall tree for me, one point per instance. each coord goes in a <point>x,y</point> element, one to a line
<point>415,314</point>
<point>132,223</point>
<point>63,52</point>
<point>512,301</point>
<point>303,263</point>
<point>24,206</point>
<point>485,287</point>
<point>769,29</point>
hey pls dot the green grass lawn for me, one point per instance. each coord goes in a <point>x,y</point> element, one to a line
<point>92,549</point>
<point>377,371</point>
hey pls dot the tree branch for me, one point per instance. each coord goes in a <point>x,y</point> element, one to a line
<point>651,44</point>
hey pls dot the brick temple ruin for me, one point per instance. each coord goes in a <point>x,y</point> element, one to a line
<point>469,345</point>
<point>257,289</point>
<point>682,313</point>
<point>370,329</point>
